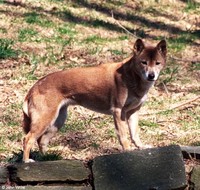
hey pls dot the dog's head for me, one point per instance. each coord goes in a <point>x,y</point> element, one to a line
<point>149,60</point>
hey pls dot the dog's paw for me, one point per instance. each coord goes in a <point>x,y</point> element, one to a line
<point>146,146</point>
<point>29,161</point>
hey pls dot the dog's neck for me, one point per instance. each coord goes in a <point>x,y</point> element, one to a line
<point>135,83</point>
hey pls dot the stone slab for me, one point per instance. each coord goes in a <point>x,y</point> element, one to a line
<point>41,187</point>
<point>156,168</point>
<point>3,175</point>
<point>50,171</point>
<point>195,178</point>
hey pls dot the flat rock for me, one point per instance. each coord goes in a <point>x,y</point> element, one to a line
<point>156,168</point>
<point>62,170</point>
<point>3,175</point>
<point>38,187</point>
<point>195,178</point>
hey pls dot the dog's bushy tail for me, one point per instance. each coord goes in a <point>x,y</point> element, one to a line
<point>27,120</point>
<point>26,123</point>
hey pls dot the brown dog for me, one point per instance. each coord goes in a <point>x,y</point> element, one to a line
<point>117,88</point>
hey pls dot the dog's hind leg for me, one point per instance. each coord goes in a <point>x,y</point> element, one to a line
<point>29,141</point>
<point>56,124</point>
<point>40,123</point>
<point>43,141</point>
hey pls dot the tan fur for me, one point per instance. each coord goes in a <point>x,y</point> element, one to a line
<point>115,88</point>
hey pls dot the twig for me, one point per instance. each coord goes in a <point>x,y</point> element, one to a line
<point>173,107</point>
<point>166,90</point>
<point>118,23</point>
<point>184,103</point>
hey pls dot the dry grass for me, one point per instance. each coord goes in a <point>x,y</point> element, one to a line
<point>51,35</point>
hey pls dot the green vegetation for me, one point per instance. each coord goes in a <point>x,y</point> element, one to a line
<point>148,124</point>
<point>192,5</point>
<point>35,18</point>
<point>95,39</point>
<point>6,49</point>
<point>179,43</point>
<point>27,34</point>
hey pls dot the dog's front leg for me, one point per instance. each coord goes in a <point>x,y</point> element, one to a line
<point>132,119</point>
<point>121,127</point>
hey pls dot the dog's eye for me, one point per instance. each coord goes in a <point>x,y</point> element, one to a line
<point>157,63</point>
<point>144,62</point>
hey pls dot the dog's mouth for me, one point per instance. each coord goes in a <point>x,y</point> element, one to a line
<point>151,80</point>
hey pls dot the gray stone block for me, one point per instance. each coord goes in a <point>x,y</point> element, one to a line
<point>63,170</point>
<point>40,187</point>
<point>3,175</point>
<point>195,178</point>
<point>156,168</point>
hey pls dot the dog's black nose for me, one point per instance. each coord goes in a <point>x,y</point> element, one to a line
<point>151,76</point>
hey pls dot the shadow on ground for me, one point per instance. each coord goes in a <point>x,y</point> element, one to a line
<point>35,155</point>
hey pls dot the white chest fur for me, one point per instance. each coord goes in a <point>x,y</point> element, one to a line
<point>133,103</point>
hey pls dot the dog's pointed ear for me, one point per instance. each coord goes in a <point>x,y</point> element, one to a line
<point>139,46</point>
<point>162,47</point>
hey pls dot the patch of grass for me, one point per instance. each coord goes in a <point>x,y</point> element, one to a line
<point>27,34</point>
<point>35,18</point>
<point>56,1</point>
<point>191,5</point>
<point>111,133</point>
<point>94,50</point>
<point>151,10</point>
<point>63,41</point>
<point>11,116</point>
<point>95,145</point>
<point>124,37</point>
<point>6,49</point>
<point>95,39</point>
<point>67,30</point>
<point>195,66</point>
<point>97,23</point>
<point>166,113</point>
<point>117,52</point>
<point>3,147</point>
<point>34,60</point>
<point>55,54</point>
<point>102,122</point>
<point>3,30</point>
<point>189,120</point>
<point>73,124</point>
<point>168,75</point>
<point>147,123</point>
<point>32,18</point>
<point>155,102</point>
<point>178,43</point>
<point>15,136</point>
